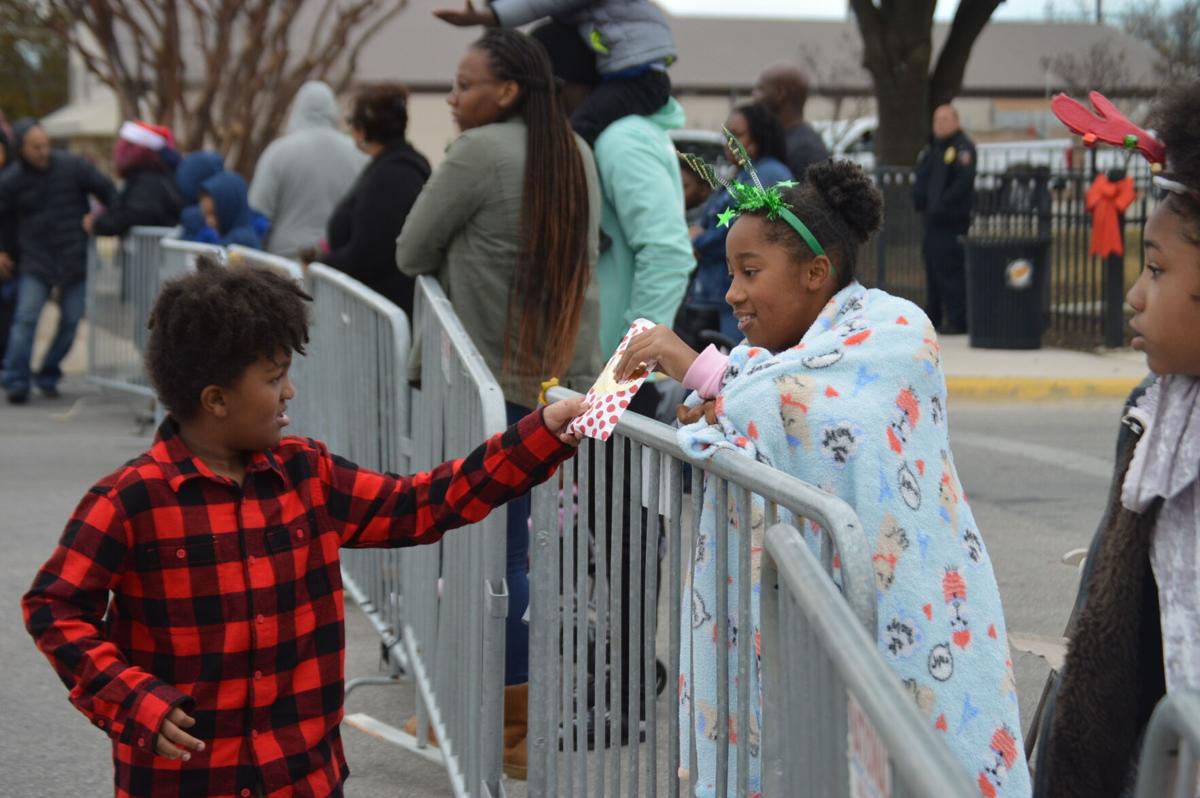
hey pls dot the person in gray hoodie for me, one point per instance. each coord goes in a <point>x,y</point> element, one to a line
<point>301,177</point>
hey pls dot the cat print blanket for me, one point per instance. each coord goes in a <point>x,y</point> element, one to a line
<point>858,408</point>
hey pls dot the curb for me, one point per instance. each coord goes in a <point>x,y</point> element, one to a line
<point>1034,389</point>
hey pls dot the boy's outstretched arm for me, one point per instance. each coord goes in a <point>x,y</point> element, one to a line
<point>373,509</point>
<point>64,611</point>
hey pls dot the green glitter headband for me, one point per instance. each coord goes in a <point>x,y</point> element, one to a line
<point>751,198</point>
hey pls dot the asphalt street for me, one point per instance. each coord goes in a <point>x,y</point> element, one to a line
<point>1036,475</point>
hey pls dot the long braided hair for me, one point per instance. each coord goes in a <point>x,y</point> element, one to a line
<point>546,298</point>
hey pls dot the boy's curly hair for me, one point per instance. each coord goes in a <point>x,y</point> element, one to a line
<point>206,328</point>
<point>1176,121</point>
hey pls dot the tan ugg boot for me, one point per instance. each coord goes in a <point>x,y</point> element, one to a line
<point>516,727</point>
<point>410,727</point>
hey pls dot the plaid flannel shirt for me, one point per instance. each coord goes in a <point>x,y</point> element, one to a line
<point>226,600</point>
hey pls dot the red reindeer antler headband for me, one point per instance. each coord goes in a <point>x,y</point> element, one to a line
<point>1108,125</point>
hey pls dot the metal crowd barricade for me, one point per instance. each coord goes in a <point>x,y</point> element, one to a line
<point>352,393</point>
<point>456,597</point>
<point>576,603</point>
<point>260,259</point>
<point>1171,748</point>
<point>122,282</point>
<point>179,256</point>
<point>834,713</point>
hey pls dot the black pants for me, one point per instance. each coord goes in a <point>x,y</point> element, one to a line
<point>8,307</point>
<point>945,279</point>
<point>644,403</point>
<point>619,97</point>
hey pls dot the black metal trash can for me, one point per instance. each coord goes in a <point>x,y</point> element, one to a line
<point>1008,259</point>
<point>1006,281</point>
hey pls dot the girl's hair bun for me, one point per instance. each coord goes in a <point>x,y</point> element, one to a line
<point>848,192</point>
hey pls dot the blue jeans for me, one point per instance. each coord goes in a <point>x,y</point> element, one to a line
<point>32,295</point>
<point>516,647</point>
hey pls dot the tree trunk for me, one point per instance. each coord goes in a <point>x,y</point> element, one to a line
<point>897,51</point>
<point>897,47</point>
<point>969,21</point>
<point>903,122</point>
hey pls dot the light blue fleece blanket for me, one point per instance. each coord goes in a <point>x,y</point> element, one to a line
<point>858,408</point>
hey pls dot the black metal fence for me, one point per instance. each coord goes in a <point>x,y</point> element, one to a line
<point>1084,302</point>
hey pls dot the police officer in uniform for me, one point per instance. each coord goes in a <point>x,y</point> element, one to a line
<point>943,192</point>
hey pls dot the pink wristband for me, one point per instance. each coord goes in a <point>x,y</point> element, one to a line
<point>706,373</point>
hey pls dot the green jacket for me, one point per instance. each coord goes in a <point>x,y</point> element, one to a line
<point>465,229</point>
<point>644,272</point>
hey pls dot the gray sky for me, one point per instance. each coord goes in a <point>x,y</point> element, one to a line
<point>837,9</point>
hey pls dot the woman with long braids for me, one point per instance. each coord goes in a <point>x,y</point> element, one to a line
<point>509,222</point>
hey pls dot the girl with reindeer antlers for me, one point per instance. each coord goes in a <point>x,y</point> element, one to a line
<point>1135,630</point>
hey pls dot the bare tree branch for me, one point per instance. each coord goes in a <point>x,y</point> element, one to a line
<point>1174,35</point>
<point>368,31</point>
<point>898,50</point>
<point>1098,68</point>
<point>969,21</point>
<point>248,56</point>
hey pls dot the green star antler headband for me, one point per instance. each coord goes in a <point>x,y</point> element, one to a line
<point>752,198</point>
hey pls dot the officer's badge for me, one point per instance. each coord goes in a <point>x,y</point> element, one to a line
<point>950,155</point>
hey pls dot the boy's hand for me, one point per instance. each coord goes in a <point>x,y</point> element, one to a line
<point>468,16</point>
<point>173,741</point>
<point>557,415</point>
<point>660,344</point>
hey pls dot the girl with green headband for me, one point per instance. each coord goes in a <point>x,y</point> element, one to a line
<point>842,387</point>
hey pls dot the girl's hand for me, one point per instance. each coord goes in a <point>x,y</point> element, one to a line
<point>659,344</point>
<point>556,417</point>
<point>690,415</point>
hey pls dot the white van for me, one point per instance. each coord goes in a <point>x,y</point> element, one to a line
<point>854,139</point>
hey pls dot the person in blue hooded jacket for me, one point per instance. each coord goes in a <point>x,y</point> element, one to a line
<point>192,172</point>
<point>226,209</point>
<point>190,175</point>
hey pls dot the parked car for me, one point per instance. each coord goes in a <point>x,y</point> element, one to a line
<point>854,139</point>
<point>708,144</point>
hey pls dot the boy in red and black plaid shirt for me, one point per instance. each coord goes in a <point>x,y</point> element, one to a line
<point>216,666</point>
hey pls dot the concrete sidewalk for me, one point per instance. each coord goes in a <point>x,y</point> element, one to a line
<point>1038,374</point>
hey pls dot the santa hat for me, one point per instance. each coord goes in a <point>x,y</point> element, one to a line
<point>144,134</point>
